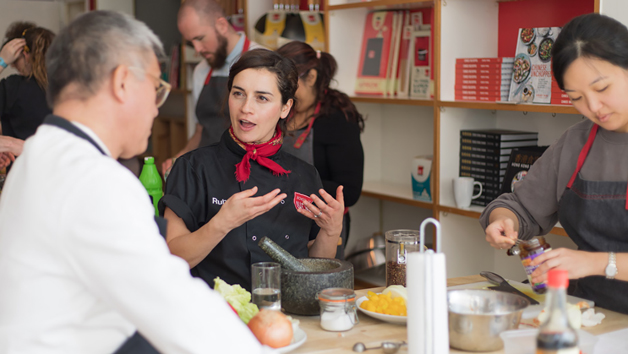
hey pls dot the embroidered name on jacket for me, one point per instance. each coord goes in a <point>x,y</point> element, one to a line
<point>216,201</point>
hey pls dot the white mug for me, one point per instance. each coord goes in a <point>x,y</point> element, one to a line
<point>463,191</point>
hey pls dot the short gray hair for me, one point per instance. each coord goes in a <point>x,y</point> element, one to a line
<point>92,46</point>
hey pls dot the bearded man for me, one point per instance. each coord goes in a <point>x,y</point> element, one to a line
<point>204,25</point>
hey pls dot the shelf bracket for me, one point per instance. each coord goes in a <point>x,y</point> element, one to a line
<point>442,109</point>
<point>444,2</point>
<point>553,114</point>
<point>525,113</point>
<point>494,112</point>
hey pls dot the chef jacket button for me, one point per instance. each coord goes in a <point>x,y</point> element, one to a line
<point>254,238</point>
<point>287,237</point>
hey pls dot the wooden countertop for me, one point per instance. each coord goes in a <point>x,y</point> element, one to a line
<point>372,332</point>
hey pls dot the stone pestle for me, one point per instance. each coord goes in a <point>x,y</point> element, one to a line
<point>281,256</point>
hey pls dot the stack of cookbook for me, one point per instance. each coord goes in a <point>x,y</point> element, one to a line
<point>483,79</point>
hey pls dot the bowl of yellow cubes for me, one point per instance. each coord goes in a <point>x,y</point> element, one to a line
<point>388,306</point>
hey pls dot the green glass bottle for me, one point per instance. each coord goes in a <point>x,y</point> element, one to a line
<point>151,180</point>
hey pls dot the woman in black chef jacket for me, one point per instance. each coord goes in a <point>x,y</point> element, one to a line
<point>221,199</point>
<point>582,179</point>
<point>325,127</point>
<point>23,103</point>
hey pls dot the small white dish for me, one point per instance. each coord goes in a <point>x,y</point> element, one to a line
<point>380,316</point>
<point>298,338</point>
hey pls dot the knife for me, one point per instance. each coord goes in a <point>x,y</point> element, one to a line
<point>503,285</point>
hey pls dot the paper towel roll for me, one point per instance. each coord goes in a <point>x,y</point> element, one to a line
<point>426,280</point>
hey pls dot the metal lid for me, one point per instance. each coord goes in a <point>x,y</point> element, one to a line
<point>403,236</point>
<point>336,295</point>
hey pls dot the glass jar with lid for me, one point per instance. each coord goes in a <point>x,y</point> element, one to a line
<point>338,309</point>
<point>398,244</point>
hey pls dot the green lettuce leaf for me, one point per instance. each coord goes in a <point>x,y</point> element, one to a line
<point>238,297</point>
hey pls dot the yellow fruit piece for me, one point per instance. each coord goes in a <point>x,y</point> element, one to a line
<point>396,291</point>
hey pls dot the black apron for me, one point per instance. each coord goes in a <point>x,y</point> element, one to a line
<point>136,344</point>
<point>594,214</point>
<point>300,143</point>
<point>212,110</point>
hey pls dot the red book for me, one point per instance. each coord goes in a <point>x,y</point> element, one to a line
<point>478,98</point>
<point>496,82</point>
<point>481,93</point>
<point>485,60</point>
<point>492,77</point>
<point>482,87</point>
<point>376,46</point>
<point>560,101</point>
<point>497,71</point>
<point>484,66</point>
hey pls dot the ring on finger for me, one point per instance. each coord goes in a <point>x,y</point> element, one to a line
<point>319,214</point>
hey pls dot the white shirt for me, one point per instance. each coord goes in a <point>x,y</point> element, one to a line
<point>201,70</point>
<point>82,264</point>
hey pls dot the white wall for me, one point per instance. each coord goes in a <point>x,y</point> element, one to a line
<point>44,13</point>
<point>126,6</point>
<point>617,9</point>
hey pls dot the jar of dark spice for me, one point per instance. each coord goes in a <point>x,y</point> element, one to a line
<point>398,244</point>
<point>528,250</point>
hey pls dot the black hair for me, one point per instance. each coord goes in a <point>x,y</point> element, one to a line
<point>590,36</point>
<point>306,59</point>
<point>283,68</point>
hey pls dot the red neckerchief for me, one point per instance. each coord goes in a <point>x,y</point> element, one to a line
<point>247,43</point>
<point>303,136</point>
<point>259,153</point>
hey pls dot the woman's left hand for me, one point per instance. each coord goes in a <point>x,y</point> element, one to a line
<point>327,213</point>
<point>578,264</point>
<point>12,50</point>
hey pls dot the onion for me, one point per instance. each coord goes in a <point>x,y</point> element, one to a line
<point>271,328</point>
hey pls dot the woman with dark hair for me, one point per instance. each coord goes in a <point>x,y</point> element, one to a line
<point>581,180</point>
<point>23,103</point>
<point>324,129</point>
<point>220,200</point>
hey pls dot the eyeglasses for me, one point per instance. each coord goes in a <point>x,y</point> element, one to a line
<point>163,90</point>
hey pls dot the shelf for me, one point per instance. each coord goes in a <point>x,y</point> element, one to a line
<point>392,100</point>
<point>475,211</point>
<point>394,192</point>
<point>543,108</point>
<point>382,3</point>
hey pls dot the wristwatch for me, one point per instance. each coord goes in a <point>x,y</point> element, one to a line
<point>3,63</point>
<point>611,268</point>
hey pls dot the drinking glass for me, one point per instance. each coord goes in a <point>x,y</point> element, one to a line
<point>266,285</point>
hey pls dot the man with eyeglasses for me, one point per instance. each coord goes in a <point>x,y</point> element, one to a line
<point>82,265</point>
<point>204,25</point>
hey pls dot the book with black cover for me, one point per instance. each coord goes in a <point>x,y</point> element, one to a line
<point>497,143</point>
<point>520,161</point>
<point>499,134</point>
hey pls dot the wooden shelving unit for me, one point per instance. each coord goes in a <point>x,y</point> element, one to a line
<point>377,4</point>
<point>394,100</point>
<point>461,29</point>
<point>541,108</point>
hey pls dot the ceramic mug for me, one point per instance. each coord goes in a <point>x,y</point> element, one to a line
<point>463,191</point>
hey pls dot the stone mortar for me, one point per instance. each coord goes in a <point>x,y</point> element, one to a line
<point>299,289</point>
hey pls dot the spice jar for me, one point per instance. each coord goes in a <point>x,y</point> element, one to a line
<point>528,250</point>
<point>398,244</point>
<point>338,309</point>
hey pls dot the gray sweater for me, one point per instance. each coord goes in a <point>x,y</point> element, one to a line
<point>535,199</point>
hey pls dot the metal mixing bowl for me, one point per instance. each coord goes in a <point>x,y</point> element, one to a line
<point>477,317</point>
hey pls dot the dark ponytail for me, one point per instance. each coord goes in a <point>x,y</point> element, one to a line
<point>306,59</point>
<point>590,36</point>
